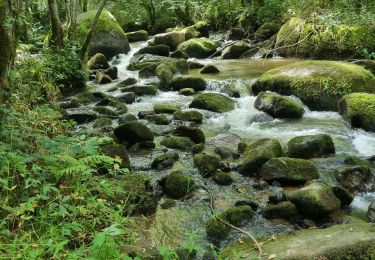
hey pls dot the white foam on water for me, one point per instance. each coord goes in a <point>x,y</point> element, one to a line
<point>362,201</point>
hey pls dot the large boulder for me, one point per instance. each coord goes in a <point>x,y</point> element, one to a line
<point>140,61</point>
<point>319,84</point>
<point>190,116</point>
<point>284,209</point>
<point>310,146</point>
<point>214,102</point>
<point>320,41</point>
<point>97,62</point>
<point>279,106</point>
<point>161,50</point>
<point>194,133</point>
<point>259,153</point>
<point>178,185</point>
<point>345,241</point>
<point>177,142</point>
<point>355,178</point>
<point>288,170</point>
<point>137,36</point>
<point>171,39</point>
<point>198,47</point>
<point>133,132</point>
<point>141,89</point>
<point>315,200</point>
<point>359,110</point>
<point>235,51</point>
<point>206,164</point>
<point>108,37</point>
<point>181,82</point>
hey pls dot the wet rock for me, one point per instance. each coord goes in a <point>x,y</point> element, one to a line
<point>140,61</point>
<point>161,50</point>
<point>315,200</point>
<point>165,160</point>
<point>260,117</point>
<point>217,230</point>
<point>206,164</point>
<point>235,34</point>
<point>171,39</point>
<point>234,51</point>
<point>367,64</point>
<point>254,205</point>
<point>148,71</point>
<point>194,65</point>
<point>197,148</point>
<point>165,108</point>
<point>190,116</point>
<point>165,75</point>
<point>288,170</point>
<point>186,91</point>
<point>354,108</point>
<point>81,115</point>
<point>277,196</point>
<point>126,118</point>
<point>194,133</point>
<point>181,82</point>
<point>133,132</point>
<point>266,31</point>
<point>223,178</point>
<point>179,185</point>
<point>102,122</point>
<point>109,38</point>
<point>158,119</point>
<point>112,72</point>
<point>120,107</point>
<point>168,203</point>
<point>279,106</point>
<point>143,114</point>
<point>371,212</point>
<point>241,147</point>
<point>102,78</point>
<point>97,62</point>
<point>310,146</point>
<point>177,142</point>
<point>209,69</point>
<point>345,241</point>
<point>223,152</point>
<point>127,97</point>
<point>115,150</point>
<point>261,185</point>
<point>284,210</point>
<point>127,82</point>
<point>343,195</point>
<point>179,55</point>
<point>105,111</point>
<point>299,78</point>
<point>198,47</point>
<point>355,178</point>
<point>213,102</point>
<point>258,154</point>
<point>141,89</point>
<point>249,53</point>
<point>137,36</point>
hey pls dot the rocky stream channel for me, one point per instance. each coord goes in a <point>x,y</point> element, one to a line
<point>229,155</point>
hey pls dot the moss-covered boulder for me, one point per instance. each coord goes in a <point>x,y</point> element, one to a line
<point>186,92</point>
<point>190,116</point>
<point>161,50</point>
<point>214,102</point>
<point>371,212</point>
<point>102,122</point>
<point>206,164</point>
<point>127,82</point>
<point>310,146</point>
<point>355,178</point>
<point>223,178</point>
<point>319,84</point>
<point>288,170</point>
<point>259,153</point>
<point>178,185</point>
<point>279,106</point>
<point>179,55</point>
<point>345,241</point>
<point>359,110</point>
<point>209,69</point>
<point>181,82</point>
<point>194,133</point>
<point>284,210</point>
<point>97,62</point>
<point>108,37</point>
<point>266,31</point>
<point>118,151</point>
<point>198,47</point>
<point>133,132</point>
<point>235,51</point>
<point>165,160</point>
<point>101,78</point>
<point>141,90</point>
<point>158,119</point>
<point>315,200</point>
<point>81,115</point>
<point>321,41</point>
<point>177,142</point>
<point>367,64</point>
<point>140,61</point>
<point>106,111</point>
<point>137,36</point>
<point>165,108</point>
<point>171,39</point>
<point>217,230</point>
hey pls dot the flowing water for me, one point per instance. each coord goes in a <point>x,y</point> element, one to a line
<point>170,226</point>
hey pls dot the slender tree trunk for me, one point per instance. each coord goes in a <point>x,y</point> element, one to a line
<point>74,7</point>
<point>87,41</point>
<point>57,36</point>
<point>85,5</point>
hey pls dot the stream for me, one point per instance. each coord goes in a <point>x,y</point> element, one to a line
<point>169,227</point>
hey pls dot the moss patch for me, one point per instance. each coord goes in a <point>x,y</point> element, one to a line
<point>213,102</point>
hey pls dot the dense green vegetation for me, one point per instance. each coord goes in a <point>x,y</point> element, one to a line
<point>62,195</point>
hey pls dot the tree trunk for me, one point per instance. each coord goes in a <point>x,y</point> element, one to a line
<point>57,36</point>
<point>74,7</point>
<point>85,4</point>
<point>87,41</point>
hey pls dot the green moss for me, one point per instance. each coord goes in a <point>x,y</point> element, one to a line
<point>213,102</point>
<point>319,84</point>
<point>158,119</point>
<point>102,122</point>
<point>288,170</point>
<point>141,89</point>
<point>181,82</point>
<point>346,242</point>
<point>186,92</point>
<point>284,209</point>
<point>325,42</point>
<point>177,142</point>
<point>359,110</point>
<point>206,164</point>
<point>137,36</point>
<point>105,111</point>
<point>209,69</point>
<point>259,153</point>
<point>223,178</point>
<point>178,185</point>
<point>133,132</point>
<point>198,47</point>
<point>310,146</point>
<point>165,108</point>
<point>191,116</point>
